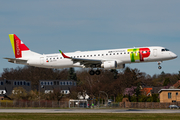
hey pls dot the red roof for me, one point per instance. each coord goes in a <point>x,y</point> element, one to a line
<point>177,84</point>
<point>146,91</point>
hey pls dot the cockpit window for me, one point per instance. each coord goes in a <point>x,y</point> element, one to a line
<point>167,49</point>
<point>164,50</point>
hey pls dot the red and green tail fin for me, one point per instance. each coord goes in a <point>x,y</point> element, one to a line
<point>17,45</point>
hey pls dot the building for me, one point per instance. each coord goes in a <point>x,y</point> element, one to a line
<point>7,86</point>
<point>146,91</point>
<point>48,86</point>
<point>169,95</point>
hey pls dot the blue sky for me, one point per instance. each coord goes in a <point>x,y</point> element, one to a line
<point>83,25</point>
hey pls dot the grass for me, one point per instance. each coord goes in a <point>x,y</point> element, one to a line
<point>87,116</point>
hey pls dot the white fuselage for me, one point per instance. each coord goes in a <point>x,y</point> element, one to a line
<point>121,56</point>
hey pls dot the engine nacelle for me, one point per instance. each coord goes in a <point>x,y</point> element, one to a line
<point>109,65</point>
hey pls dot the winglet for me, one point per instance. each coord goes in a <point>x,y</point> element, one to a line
<point>63,54</point>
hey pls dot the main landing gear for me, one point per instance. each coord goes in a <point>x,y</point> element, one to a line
<point>159,67</point>
<point>92,72</point>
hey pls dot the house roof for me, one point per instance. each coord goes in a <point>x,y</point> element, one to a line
<point>155,90</point>
<point>168,90</point>
<point>146,91</point>
<point>177,84</point>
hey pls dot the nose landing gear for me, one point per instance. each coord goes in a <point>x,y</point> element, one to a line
<point>159,63</point>
<point>159,67</point>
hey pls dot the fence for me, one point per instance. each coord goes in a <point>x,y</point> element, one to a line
<point>66,104</point>
<point>147,105</point>
<point>47,104</point>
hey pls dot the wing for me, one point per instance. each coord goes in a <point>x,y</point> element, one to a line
<point>85,62</point>
<point>18,61</point>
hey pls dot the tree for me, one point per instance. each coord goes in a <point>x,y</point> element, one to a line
<point>115,72</point>
<point>72,74</point>
<point>19,93</point>
<point>34,74</point>
<point>138,92</point>
<point>119,98</point>
<point>178,77</point>
<point>166,81</point>
<point>55,95</point>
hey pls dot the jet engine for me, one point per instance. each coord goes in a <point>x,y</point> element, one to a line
<point>109,65</point>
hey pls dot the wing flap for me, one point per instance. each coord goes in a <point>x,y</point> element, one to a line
<point>87,62</point>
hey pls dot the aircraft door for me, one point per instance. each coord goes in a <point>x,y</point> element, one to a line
<point>41,60</point>
<point>155,52</point>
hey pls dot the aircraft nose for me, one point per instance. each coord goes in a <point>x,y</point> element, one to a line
<point>173,55</point>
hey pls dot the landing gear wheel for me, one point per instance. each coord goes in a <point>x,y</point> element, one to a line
<point>159,63</point>
<point>91,72</point>
<point>159,67</point>
<point>98,72</point>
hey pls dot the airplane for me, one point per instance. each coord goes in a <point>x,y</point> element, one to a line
<point>107,59</point>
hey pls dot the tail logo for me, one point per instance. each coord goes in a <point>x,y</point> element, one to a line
<point>17,48</point>
<point>17,45</point>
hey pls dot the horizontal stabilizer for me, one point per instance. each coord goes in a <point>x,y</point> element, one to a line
<point>17,61</point>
